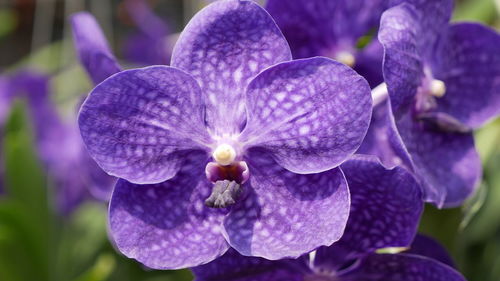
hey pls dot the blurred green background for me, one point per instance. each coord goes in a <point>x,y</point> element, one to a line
<point>37,243</point>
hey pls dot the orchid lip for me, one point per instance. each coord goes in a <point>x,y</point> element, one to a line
<point>238,172</point>
<point>228,181</point>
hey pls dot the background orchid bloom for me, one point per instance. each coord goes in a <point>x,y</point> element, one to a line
<point>440,89</point>
<point>73,173</point>
<point>154,40</point>
<point>334,29</point>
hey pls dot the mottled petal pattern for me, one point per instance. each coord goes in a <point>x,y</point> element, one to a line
<point>138,124</point>
<point>92,47</point>
<point>400,267</point>
<point>386,205</point>
<point>445,163</point>
<point>286,214</point>
<point>469,65</point>
<point>234,267</point>
<point>166,225</point>
<point>311,113</point>
<point>224,46</point>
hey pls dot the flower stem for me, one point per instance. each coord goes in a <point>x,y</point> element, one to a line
<point>379,94</point>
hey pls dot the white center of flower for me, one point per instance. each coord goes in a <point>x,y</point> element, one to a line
<point>224,154</point>
<point>438,88</point>
<point>346,58</point>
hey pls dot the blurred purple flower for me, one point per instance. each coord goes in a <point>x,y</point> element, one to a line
<point>386,207</point>
<point>276,130</point>
<point>5,100</point>
<point>74,174</point>
<point>443,81</point>
<point>92,48</point>
<point>333,29</point>
<point>5,103</point>
<point>152,43</point>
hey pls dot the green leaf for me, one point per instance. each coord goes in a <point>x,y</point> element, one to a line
<point>477,10</point>
<point>101,269</point>
<point>443,225</point>
<point>8,21</point>
<point>131,270</point>
<point>486,223</point>
<point>24,213</point>
<point>47,59</point>
<point>472,206</point>
<point>80,238</point>
<point>69,87</point>
<point>488,140</point>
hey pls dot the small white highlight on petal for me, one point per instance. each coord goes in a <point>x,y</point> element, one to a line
<point>237,75</point>
<point>224,154</point>
<point>391,250</point>
<point>438,88</point>
<point>346,58</point>
<point>312,258</point>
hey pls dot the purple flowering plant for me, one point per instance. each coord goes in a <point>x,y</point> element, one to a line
<point>425,260</point>
<point>435,73</point>
<point>382,199</point>
<point>236,145</point>
<point>291,140</point>
<point>443,82</point>
<point>228,146</point>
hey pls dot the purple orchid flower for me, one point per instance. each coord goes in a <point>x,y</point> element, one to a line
<point>332,29</point>
<point>74,174</point>
<point>153,43</point>
<point>235,145</point>
<point>325,266</point>
<point>386,208</point>
<point>443,81</point>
